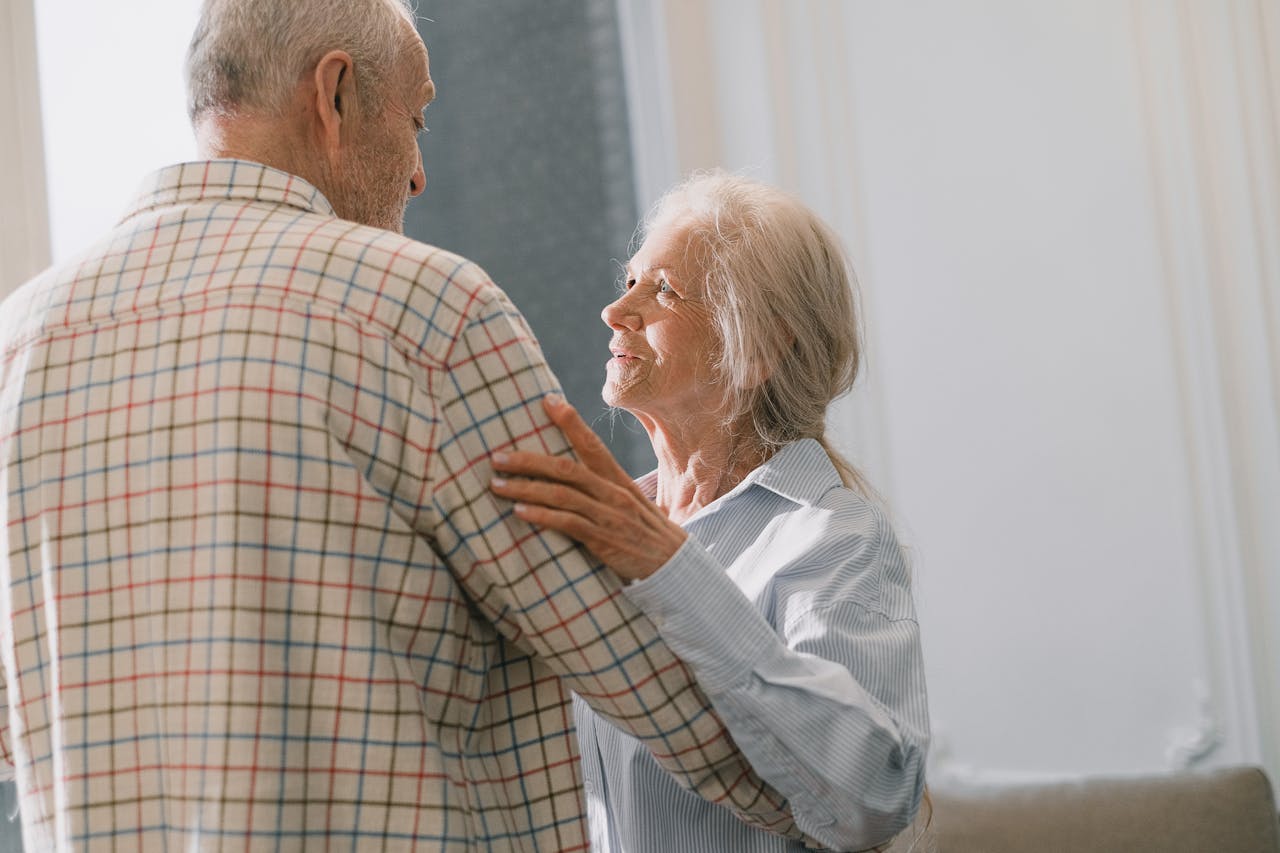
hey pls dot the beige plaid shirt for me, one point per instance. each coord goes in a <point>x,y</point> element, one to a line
<point>256,593</point>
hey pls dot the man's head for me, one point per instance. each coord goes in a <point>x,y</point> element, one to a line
<point>330,90</point>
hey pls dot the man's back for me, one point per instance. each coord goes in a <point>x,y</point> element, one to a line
<point>254,570</point>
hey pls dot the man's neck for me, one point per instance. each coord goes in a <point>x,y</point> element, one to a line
<point>269,141</point>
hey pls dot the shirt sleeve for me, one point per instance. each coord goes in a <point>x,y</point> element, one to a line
<point>830,708</point>
<point>542,592</point>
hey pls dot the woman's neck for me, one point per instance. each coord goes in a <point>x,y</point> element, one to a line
<point>697,466</point>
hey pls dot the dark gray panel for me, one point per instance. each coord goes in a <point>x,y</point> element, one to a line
<point>529,174</point>
<point>10,825</point>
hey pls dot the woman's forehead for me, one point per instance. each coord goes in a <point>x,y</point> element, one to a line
<point>670,245</point>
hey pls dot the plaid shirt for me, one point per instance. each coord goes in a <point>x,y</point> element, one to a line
<point>257,593</point>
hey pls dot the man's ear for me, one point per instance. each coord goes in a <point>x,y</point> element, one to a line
<point>335,96</point>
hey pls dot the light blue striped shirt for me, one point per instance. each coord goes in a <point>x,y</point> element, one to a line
<point>791,601</point>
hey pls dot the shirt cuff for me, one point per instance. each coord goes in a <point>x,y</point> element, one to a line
<point>704,617</point>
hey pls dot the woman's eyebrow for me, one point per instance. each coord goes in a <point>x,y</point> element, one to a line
<point>660,266</point>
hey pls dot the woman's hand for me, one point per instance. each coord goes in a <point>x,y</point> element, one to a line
<point>592,501</point>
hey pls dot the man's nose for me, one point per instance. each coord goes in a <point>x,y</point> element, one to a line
<point>418,181</point>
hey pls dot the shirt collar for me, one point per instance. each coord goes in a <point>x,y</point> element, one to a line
<point>801,472</point>
<point>226,180</point>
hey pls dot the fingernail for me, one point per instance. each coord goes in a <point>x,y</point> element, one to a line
<point>501,458</point>
<point>499,482</point>
<point>554,400</point>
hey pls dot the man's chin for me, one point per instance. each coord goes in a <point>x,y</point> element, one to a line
<point>385,220</point>
<point>393,221</point>
<point>388,218</point>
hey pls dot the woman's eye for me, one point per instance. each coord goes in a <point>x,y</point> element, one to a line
<point>664,287</point>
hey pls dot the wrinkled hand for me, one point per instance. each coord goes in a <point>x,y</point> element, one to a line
<point>592,501</point>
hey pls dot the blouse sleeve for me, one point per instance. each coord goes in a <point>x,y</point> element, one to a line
<point>830,707</point>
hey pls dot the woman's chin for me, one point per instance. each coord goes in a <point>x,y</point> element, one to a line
<point>611,396</point>
<point>618,396</point>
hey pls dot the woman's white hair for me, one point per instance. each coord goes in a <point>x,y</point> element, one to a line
<point>783,299</point>
<point>250,54</point>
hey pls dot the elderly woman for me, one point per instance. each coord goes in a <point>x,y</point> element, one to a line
<point>756,549</point>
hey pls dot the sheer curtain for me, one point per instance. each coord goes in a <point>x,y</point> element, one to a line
<point>24,239</point>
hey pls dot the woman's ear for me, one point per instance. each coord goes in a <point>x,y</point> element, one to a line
<point>760,371</point>
<point>756,375</point>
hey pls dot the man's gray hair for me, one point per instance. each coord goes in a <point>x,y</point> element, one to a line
<point>783,301</point>
<point>248,55</point>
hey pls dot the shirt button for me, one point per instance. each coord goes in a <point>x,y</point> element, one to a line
<point>588,787</point>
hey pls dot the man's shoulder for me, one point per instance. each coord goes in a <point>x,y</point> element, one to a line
<point>400,266</point>
<point>18,319</point>
<point>277,222</point>
<point>409,289</point>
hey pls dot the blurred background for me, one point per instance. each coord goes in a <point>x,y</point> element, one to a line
<point>1065,216</point>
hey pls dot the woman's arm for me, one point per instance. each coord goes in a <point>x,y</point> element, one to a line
<point>830,709</point>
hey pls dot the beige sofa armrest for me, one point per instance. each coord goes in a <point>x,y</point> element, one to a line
<point>1224,811</point>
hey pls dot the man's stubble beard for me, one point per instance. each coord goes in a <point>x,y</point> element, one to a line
<point>367,190</point>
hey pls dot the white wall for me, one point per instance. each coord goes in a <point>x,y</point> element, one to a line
<point>112,94</point>
<point>1064,215</point>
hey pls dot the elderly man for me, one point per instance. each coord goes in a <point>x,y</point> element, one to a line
<point>255,591</point>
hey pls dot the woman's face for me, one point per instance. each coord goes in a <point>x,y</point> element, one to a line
<point>664,347</point>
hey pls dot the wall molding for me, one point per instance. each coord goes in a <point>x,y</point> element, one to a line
<point>1187,748</point>
<point>1192,746</point>
<point>1209,87</point>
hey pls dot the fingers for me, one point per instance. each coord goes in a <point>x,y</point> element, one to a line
<point>556,507</point>
<point>559,468</point>
<point>590,449</point>
<point>547,494</point>
<point>560,471</point>
<point>631,547</point>
<point>571,524</point>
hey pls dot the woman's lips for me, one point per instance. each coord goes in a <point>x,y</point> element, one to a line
<point>622,354</point>
<point>620,361</point>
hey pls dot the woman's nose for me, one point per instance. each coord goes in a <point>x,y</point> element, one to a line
<point>621,313</point>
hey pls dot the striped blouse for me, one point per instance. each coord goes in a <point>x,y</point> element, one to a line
<point>791,601</point>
